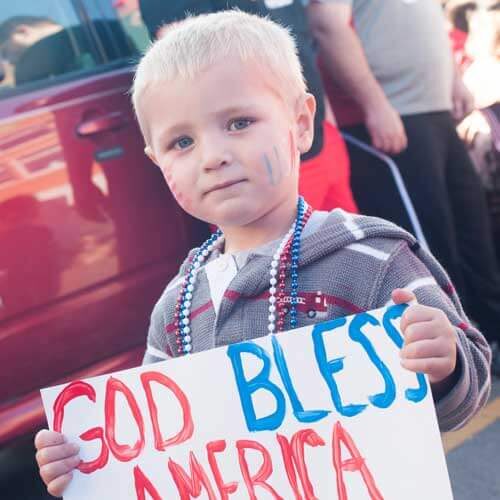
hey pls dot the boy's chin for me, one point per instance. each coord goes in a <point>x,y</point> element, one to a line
<point>236,216</point>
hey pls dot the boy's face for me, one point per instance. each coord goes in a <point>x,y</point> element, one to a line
<point>226,142</point>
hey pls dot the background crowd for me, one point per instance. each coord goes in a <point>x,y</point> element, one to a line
<point>400,76</point>
<point>414,82</point>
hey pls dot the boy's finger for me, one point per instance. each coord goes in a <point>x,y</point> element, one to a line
<point>57,486</point>
<point>415,332</point>
<point>48,438</point>
<point>416,313</point>
<point>423,349</point>
<point>53,470</point>
<point>54,453</point>
<point>436,368</point>
<point>400,296</point>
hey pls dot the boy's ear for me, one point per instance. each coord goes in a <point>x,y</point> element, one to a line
<point>149,153</point>
<point>305,111</point>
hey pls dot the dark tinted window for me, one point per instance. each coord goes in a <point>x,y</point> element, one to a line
<point>44,41</point>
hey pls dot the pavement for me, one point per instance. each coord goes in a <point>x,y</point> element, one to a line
<point>473,453</point>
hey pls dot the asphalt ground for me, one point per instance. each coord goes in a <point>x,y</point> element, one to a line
<point>472,454</point>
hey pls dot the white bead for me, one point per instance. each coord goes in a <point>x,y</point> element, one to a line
<point>196,264</point>
<point>205,253</point>
<point>189,295</point>
<point>273,272</point>
<point>185,321</point>
<point>192,279</point>
<point>186,339</point>
<point>276,256</point>
<point>272,317</point>
<point>272,299</point>
<point>188,348</point>
<point>186,331</point>
<point>187,304</point>
<point>273,281</point>
<point>271,327</point>
<point>274,263</point>
<point>272,309</point>
<point>210,247</point>
<point>190,288</point>
<point>272,290</point>
<point>185,311</point>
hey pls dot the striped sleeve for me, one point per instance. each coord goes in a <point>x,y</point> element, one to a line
<point>406,270</point>
<point>155,347</point>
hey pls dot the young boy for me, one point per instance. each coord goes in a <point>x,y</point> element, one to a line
<point>225,114</point>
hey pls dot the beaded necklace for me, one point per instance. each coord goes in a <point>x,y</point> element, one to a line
<point>287,253</point>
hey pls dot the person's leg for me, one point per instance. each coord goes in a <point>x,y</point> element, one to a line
<point>474,236</point>
<point>422,167</point>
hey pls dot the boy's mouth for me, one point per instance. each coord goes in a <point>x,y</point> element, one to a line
<point>223,185</point>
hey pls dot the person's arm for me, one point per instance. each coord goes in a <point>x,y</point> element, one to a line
<point>462,98</point>
<point>346,64</point>
<point>459,374</point>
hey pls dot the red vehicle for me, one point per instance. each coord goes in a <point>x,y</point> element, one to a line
<point>89,234</point>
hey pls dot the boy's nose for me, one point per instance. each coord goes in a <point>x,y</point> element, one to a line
<point>215,156</point>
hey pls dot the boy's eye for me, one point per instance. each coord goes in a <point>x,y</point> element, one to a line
<point>182,142</point>
<point>239,124</point>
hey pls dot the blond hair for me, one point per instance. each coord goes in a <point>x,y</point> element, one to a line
<point>195,43</point>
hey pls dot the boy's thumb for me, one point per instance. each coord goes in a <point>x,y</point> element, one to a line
<point>400,296</point>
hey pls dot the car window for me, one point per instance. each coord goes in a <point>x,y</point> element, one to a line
<point>44,41</point>
<point>124,14</point>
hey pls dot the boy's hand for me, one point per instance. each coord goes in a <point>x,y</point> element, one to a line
<point>429,339</point>
<point>56,460</point>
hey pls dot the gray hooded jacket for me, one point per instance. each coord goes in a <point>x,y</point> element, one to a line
<point>350,264</point>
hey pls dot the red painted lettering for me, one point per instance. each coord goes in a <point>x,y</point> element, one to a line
<point>258,479</point>
<point>294,459</point>
<point>225,489</point>
<point>72,391</point>
<point>353,464</point>
<point>191,486</point>
<point>122,452</point>
<point>187,428</point>
<point>143,484</point>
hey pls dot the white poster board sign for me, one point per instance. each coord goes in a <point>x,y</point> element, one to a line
<point>322,412</point>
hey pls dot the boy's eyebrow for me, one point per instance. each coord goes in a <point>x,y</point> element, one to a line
<point>230,110</point>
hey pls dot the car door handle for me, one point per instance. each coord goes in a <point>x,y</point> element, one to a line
<point>103,123</point>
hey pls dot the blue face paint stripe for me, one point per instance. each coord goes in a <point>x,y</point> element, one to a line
<point>269,168</point>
